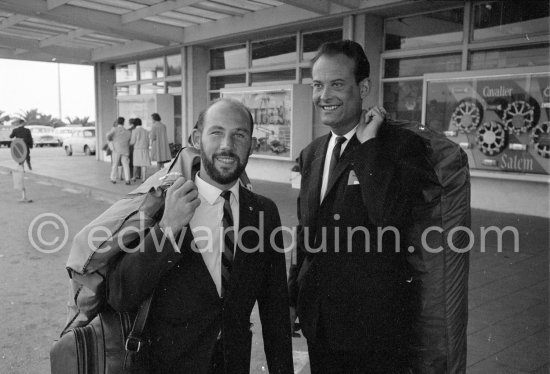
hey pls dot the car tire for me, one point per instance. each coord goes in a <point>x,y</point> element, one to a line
<point>87,150</point>
<point>68,151</point>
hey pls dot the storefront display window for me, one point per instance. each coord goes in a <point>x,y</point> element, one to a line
<point>403,100</point>
<point>126,72</point>
<point>425,30</point>
<point>173,65</point>
<point>274,51</point>
<point>225,81</point>
<point>414,66</point>
<point>502,122</point>
<point>509,57</point>
<point>312,41</point>
<point>273,76</point>
<point>504,19</point>
<point>233,57</point>
<point>152,68</point>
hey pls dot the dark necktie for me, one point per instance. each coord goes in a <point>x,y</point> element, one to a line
<point>229,241</point>
<point>335,155</point>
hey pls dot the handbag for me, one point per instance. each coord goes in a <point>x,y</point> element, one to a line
<point>109,344</point>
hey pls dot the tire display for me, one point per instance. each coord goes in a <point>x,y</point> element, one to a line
<point>518,117</point>
<point>467,115</point>
<point>540,136</point>
<point>491,138</point>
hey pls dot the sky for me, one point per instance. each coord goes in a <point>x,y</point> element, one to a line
<point>26,85</point>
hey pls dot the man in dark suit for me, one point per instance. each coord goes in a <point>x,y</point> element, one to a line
<point>350,284</point>
<point>22,132</point>
<point>205,283</point>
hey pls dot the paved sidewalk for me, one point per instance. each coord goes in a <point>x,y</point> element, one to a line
<point>508,296</point>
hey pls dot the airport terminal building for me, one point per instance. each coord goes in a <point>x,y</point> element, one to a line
<point>477,71</point>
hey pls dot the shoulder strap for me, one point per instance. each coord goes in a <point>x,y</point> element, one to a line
<point>135,338</point>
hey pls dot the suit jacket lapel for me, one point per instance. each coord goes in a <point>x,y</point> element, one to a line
<point>343,163</point>
<point>208,284</point>
<point>316,177</point>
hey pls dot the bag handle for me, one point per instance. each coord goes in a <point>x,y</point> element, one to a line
<point>135,338</point>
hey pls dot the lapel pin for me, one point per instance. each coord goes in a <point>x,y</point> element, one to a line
<point>250,208</point>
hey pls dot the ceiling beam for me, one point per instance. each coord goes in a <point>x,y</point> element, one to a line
<point>71,35</point>
<point>33,46</point>
<point>352,4</point>
<point>11,21</point>
<point>56,3</point>
<point>316,6</point>
<point>153,10</point>
<point>120,51</point>
<point>271,19</point>
<point>103,22</point>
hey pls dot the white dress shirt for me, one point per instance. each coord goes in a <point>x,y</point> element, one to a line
<point>328,157</point>
<point>207,226</point>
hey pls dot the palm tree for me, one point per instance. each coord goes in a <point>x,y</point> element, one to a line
<point>4,118</point>
<point>29,116</point>
<point>84,121</point>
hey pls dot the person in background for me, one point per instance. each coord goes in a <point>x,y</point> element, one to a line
<point>133,176</point>
<point>160,149</point>
<point>22,132</point>
<point>139,141</point>
<point>121,150</point>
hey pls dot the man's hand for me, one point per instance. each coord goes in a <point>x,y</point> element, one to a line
<point>370,123</point>
<point>182,198</point>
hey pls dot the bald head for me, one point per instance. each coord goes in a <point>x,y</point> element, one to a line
<point>226,105</point>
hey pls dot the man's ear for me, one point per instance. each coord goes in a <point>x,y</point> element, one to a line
<point>364,88</point>
<point>196,137</point>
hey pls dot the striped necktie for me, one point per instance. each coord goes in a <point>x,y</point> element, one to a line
<point>229,241</point>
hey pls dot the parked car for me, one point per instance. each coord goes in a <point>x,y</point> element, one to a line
<point>5,132</point>
<point>43,135</point>
<point>65,132</point>
<point>81,140</point>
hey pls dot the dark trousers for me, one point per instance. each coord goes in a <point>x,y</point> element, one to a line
<point>325,361</point>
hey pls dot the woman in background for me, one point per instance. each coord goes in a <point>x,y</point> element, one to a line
<point>140,141</point>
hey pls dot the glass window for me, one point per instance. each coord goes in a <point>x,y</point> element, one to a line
<point>173,65</point>
<point>274,51</point>
<point>509,57</point>
<point>306,75</point>
<point>214,96</point>
<point>312,41</point>
<point>174,87</point>
<point>126,72</point>
<point>273,76</point>
<point>403,100</point>
<point>152,88</point>
<point>413,66</point>
<point>502,19</point>
<point>238,80</point>
<point>126,90</point>
<point>152,68</point>
<point>228,58</point>
<point>425,30</point>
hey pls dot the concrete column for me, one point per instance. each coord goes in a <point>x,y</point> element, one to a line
<point>105,102</point>
<point>195,95</point>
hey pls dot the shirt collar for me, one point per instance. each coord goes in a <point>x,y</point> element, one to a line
<point>348,136</point>
<point>212,193</point>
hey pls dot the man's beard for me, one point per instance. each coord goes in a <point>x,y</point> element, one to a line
<point>216,174</point>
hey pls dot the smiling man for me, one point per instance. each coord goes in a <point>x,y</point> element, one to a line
<point>350,285</point>
<point>206,288</point>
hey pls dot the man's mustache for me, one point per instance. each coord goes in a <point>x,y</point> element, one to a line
<point>227,154</point>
